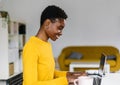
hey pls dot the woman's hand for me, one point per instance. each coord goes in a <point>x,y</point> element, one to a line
<point>77,74</point>
<point>71,76</point>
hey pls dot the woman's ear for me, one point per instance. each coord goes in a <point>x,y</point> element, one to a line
<point>47,22</point>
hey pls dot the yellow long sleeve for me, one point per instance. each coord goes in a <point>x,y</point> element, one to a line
<point>39,66</point>
<point>58,73</point>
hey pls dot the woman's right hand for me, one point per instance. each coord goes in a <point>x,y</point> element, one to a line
<point>71,76</point>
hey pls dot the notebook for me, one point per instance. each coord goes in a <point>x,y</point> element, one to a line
<point>97,76</point>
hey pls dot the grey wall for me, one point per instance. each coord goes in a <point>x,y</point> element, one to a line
<point>90,22</point>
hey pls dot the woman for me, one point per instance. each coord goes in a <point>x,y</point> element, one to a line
<point>38,60</point>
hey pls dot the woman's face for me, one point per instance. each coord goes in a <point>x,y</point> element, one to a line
<point>54,30</point>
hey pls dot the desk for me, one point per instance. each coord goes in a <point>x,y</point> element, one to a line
<point>87,65</point>
<point>111,79</point>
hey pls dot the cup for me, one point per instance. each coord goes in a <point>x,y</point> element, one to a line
<point>83,80</point>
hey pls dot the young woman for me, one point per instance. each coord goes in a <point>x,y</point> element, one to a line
<point>38,60</point>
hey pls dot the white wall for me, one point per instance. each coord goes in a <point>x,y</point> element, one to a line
<point>90,22</point>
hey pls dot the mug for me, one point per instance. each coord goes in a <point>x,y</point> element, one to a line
<point>83,80</point>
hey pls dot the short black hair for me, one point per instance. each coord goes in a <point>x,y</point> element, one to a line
<point>52,12</point>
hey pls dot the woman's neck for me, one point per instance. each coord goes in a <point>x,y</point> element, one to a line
<point>42,35</point>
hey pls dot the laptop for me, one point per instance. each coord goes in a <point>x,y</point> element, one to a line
<point>102,64</point>
<point>97,76</point>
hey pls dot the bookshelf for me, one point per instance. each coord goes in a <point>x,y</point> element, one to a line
<point>12,40</point>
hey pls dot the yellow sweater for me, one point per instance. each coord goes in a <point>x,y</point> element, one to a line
<point>39,66</point>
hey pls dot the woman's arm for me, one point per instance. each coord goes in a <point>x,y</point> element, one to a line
<point>58,73</point>
<point>30,72</point>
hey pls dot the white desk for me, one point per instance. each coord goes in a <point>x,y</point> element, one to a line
<point>111,79</point>
<point>87,65</point>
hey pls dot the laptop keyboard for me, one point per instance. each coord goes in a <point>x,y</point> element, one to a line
<point>94,74</point>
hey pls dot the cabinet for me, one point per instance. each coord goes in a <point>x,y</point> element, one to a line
<point>13,80</point>
<point>12,40</point>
